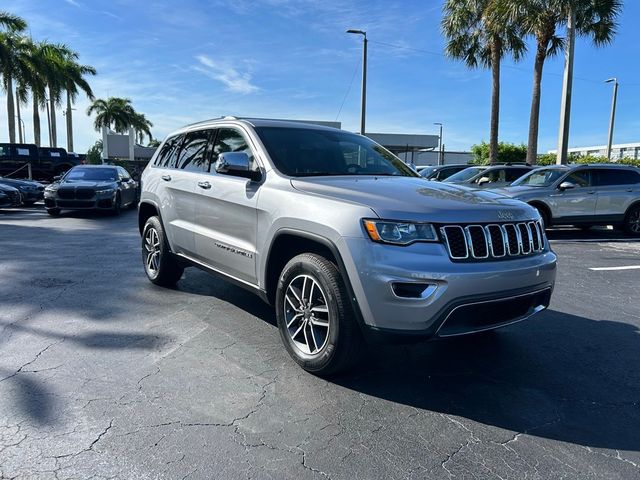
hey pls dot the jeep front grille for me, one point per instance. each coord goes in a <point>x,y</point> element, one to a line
<point>480,242</point>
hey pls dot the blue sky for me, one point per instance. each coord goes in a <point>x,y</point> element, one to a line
<point>188,60</point>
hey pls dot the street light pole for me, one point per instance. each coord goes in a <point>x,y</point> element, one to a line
<point>363,107</point>
<point>613,114</point>
<point>440,150</point>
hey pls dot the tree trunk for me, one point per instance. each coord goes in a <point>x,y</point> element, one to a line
<point>36,120</point>
<point>10,109</point>
<point>20,129</point>
<point>534,118</point>
<point>52,112</point>
<point>495,100</point>
<point>69,125</point>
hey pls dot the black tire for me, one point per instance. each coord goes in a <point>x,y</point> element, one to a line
<point>342,344</point>
<point>54,212</point>
<point>117,206</point>
<point>632,221</point>
<point>546,221</point>
<point>164,270</point>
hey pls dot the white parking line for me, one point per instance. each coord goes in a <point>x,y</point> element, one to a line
<point>628,267</point>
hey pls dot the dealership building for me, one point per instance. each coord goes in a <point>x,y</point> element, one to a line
<point>621,150</point>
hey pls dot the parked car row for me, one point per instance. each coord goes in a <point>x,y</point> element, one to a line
<point>14,193</point>
<point>579,195</point>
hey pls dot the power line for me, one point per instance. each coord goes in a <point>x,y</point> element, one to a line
<point>355,70</point>
<point>512,67</point>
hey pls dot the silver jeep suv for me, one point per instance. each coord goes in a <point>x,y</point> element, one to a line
<point>583,195</point>
<point>340,235</point>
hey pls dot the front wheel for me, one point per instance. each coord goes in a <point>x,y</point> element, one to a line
<point>117,205</point>
<point>632,221</point>
<point>315,318</point>
<point>160,265</point>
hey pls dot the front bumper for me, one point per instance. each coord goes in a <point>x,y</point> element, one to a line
<point>93,204</point>
<point>459,297</point>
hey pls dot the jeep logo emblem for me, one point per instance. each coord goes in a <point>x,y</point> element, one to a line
<point>505,215</point>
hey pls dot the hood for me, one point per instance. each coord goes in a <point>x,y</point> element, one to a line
<point>7,188</point>
<point>87,184</point>
<point>18,183</point>
<point>409,198</point>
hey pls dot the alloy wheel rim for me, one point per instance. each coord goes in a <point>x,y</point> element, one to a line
<point>634,221</point>
<point>307,316</point>
<point>152,249</point>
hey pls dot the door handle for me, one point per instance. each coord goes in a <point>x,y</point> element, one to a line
<point>591,192</point>
<point>166,178</point>
<point>205,185</point>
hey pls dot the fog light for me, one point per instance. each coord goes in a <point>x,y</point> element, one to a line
<point>413,290</point>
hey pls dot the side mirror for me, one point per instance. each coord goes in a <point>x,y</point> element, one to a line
<point>566,186</point>
<point>235,163</point>
<point>483,180</point>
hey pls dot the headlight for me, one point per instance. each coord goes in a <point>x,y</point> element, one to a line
<point>105,191</point>
<point>400,233</point>
<point>51,189</point>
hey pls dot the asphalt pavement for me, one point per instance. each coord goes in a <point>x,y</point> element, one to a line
<point>103,375</point>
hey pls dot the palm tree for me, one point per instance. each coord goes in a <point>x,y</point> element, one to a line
<point>542,19</point>
<point>142,127</point>
<point>37,83</point>
<point>480,33</point>
<point>56,61</point>
<point>12,48</point>
<point>114,111</point>
<point>73,79</point>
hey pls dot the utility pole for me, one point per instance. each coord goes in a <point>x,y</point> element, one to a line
<point>613,114</point>
<point>567,83</point>
<point>440,149</point>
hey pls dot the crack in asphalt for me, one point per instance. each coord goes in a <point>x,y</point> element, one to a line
<point>21,369</point>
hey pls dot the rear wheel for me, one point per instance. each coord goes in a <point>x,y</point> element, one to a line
<point>315,317</point>
<point>160,265</point>
<point>632,221</point>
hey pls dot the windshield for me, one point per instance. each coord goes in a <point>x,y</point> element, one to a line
<point>540,178</point>
<point>106,174</point>
<point>426,172</point>
<point>465,174</point>
<point>300,152</point>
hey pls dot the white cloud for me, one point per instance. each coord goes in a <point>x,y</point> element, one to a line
<point>73,2</point>
<point>234,80</point>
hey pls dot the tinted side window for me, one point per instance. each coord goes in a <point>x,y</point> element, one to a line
<point>193,155</point>
<point>168,155</point>
<point>230,140</point>
<point>615,176</point>
<point>580,178</point>
<point>515,173</point>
